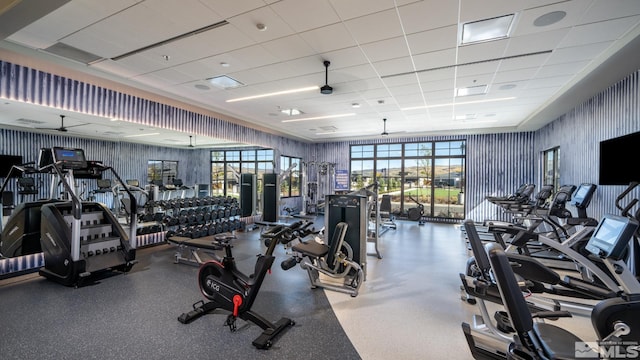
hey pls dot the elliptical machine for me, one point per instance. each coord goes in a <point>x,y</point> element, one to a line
<point>229,289</point>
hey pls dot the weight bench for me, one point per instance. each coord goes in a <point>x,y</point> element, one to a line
<point>188,249</point>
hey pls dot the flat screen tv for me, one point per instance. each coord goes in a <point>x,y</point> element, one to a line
<point>616,164</point>
<point>6,162</point>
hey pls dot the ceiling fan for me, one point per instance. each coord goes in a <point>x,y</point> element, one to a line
<point>62,128</point>
<point>326,89</point>
<point>384,129</point>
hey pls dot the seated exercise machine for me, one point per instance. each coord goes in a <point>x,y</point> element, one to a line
<point>615,319</point>
<point>333,260</point>
<point>229,289</point>
<point>416,213</point>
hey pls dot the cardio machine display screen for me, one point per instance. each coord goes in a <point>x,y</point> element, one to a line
<point>612,236</point>
<point>70,158</point>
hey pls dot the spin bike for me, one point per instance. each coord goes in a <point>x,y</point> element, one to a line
<point>229,289</point>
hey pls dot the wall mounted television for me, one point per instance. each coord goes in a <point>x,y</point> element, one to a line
<point>6,162</point>
<point>617,164</point>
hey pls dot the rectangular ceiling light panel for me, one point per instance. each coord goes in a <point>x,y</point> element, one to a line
<point>225,82</point>
<point>486,30</point>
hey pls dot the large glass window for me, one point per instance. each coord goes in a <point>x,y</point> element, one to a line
<point>427,173</point>
<point>290,184</point>
<point>161,172</point>
<point>551,167</point>
<point>227,165</point>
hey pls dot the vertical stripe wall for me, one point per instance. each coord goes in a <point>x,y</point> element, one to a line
<point>613,112</point>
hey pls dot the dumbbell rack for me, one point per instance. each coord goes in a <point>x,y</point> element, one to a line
<point>199,217</point>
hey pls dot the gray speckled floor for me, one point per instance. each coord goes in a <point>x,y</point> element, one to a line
<point>134,316</point>
<point>409,308</point>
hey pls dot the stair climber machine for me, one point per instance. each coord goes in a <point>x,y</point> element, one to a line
<point>80,238</point>
<point>226,288</point>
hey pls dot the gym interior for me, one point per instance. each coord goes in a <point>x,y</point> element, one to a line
<point>291,178</point>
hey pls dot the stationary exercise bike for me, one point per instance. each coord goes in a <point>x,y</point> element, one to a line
<point>416,213</point>
<point>229,289</point>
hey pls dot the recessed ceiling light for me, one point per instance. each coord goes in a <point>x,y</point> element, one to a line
<point>507,86</point>
<point>201,87</point>
<point>486,30</point>
<point>465,117</point>
<point>261,27</point>
<point>310,88</point>
<point>224,64</point>
<point>355,105</point>
<point>225,82</point>
<point>549,18</point>
<point>319,117</point>
<point>291,112</point>
<point>472,90</point>
<point>457,103</point>
<point>139,135</point>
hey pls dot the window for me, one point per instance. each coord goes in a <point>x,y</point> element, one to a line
<point>161,171</point>
<point>227,165</point>
<point>428,173</point>
<point>290,184</point>
<point>551,167</point>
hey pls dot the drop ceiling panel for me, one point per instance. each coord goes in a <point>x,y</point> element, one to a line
<point>231,8</point>
<point>328,38</point>
<point>247,22</point>
<point>434,60</point>
<point>288,48</point>
<point>427,15</point>
<point>303,15</point>
<point>536,42</point>
<point>433,40</point>
<point>599,32</point>
<point>375,27</point>
<point>66,20</point>
<point>471,10</point>
<point>356,8</point>
<point>482,51</point>
<point>574,11</point>
<point>386,49</point>
<point>605,9</point>
<point>577,53</point>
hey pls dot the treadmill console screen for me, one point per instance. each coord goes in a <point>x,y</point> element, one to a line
<point>612,236</point>
<point>69,158</point>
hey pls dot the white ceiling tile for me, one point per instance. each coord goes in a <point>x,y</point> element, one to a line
<point>482,68</point>
<point>328,38</point>
<point>562,69</point>
<point>574,11</point>
<point>607,9</point>
<point>428,15</point>
<point>288,48</point>
<point>524,62</point>
<point>577,53</point>
<point>599,32</point>
<point>247,22</point>
<point>386,49</point>
<point>67,19</point>
<point>356,8</point>
<point>555,81</point>
<point>535,42</point>
<point>482,51</point>
<point>345,58</point>
<point>303,15</point>
<point>375,27</point>
<point>512,76</point>
<point>393,66</point>
<point>436,59</point>
<point>231,8</point>
<point>433,40</point>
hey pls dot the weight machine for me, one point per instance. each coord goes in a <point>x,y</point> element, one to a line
<point>315,190</point>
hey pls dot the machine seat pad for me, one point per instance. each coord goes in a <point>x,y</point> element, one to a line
<point>556,342</point>
<point>311,248</point>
